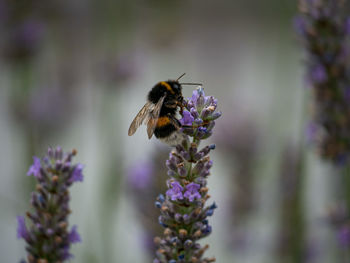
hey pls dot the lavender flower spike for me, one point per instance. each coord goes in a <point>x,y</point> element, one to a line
<point>48,237</point>
<point>324,32</point>
<point>183,210</point>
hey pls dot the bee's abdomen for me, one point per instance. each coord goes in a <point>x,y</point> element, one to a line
<point>164,127</point>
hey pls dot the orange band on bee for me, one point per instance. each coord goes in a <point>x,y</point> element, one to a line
<point>162,121</point>
<point>168,87</point>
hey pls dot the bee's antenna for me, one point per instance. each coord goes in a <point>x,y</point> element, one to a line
<point>181,76</point>
<point>198,84</point>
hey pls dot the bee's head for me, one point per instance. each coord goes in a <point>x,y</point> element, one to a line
<point>176,87</point>
<point>171,88</point>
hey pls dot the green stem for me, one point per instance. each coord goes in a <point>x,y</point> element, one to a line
<point>196,140</point>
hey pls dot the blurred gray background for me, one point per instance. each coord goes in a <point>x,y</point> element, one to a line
<point>75,73</point>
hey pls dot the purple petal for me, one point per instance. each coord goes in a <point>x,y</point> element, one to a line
<point>299,25</point>
<point>66,254</point>
<point>319,74</point>
<point>74,236</point>
<point>347,26</point>
<point>34,169</point>
<point>22,231</point>
<point>175,193</point>
<point>344,236</point>
<point>187,118</point>
<point>29,34</point>
<point>347,94</point>
<point>195,96</point>
<point>78,173</point>
<point>192,192</point>
<point>311,132</point>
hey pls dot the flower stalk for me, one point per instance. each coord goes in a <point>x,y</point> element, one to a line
<point>324,31</point>
<point>183,209</point>
<point>48,237</point>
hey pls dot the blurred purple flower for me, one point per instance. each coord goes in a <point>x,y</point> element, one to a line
<point>48,106</point>
<point>326,43</point>
<point>22,231</point>
<point>140,175</point>
<point>347,26</point>
<point>22,39</point>
<point>120,68</point>
<point>29,34</point>
<point>3,12</point>
<point>338,218</point>
<point>34,169</point>
<point>344,236</point>
<point>47,237</point>
<point>74,236</point>
<point>337,214</point>
<point>77,174</point>
<point>66,255</point>
<point>299,25</point>
<point>347,94</point>
<point>311,132</point>
<point>318,74</point>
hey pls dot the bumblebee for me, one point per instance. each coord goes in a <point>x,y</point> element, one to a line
<point>159,112</point>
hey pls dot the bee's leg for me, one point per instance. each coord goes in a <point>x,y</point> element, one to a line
<point>174,121</point>
<point>181,109</point>
<point>180,103</point>
<point>196,125</point>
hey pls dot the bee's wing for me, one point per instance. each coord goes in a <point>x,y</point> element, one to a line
<point>140,117</point>
<point>153,118</point>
